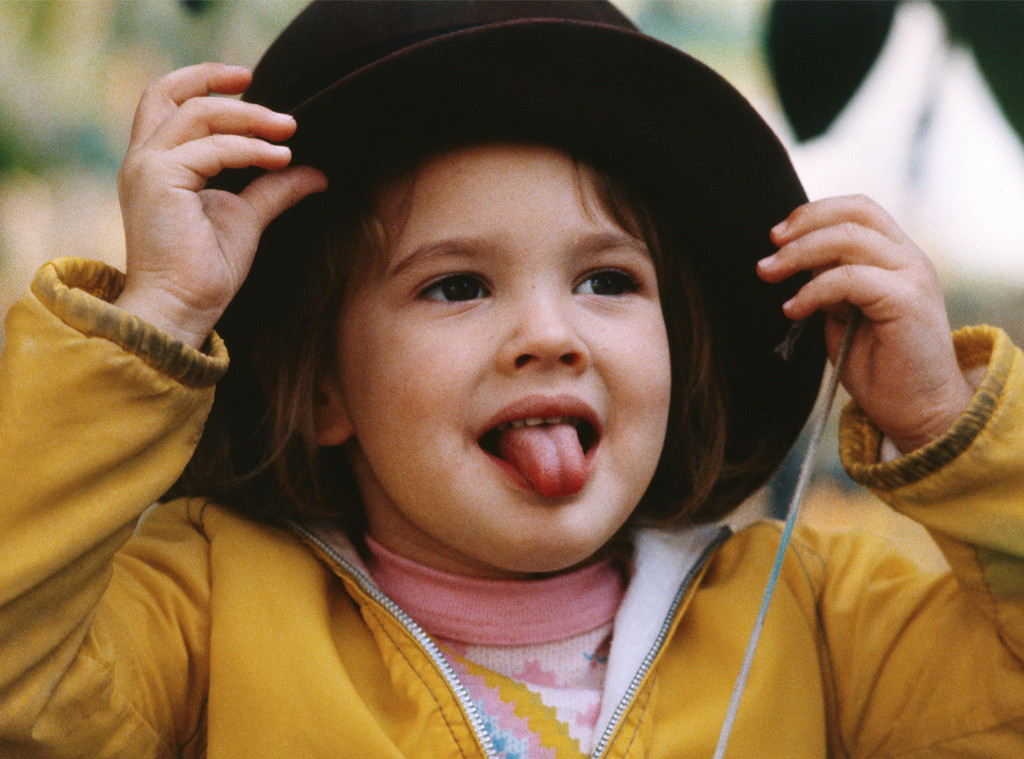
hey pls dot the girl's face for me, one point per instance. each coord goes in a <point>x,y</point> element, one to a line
<point>503,380</point>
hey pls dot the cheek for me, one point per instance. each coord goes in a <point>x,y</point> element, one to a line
<point>659,376</point>
<point>653,388</point>
<point>647,366</point>
<point>393,379</point>
<point>647,371</point>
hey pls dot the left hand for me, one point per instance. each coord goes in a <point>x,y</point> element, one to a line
<point>901,368</point>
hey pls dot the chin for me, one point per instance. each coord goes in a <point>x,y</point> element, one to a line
<point>550,556</point>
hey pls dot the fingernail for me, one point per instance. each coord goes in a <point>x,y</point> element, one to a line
<point>780,228</point>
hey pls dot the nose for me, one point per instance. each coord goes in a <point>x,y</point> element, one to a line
<point>544,336</point>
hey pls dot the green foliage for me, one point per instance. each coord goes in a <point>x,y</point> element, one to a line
<point>73,70</point>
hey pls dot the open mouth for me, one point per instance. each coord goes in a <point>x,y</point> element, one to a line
<point>547,454</point>
<point>586,434</point>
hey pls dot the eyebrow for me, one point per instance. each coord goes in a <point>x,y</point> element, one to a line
<point>437,249</point>
<point>587,244</point>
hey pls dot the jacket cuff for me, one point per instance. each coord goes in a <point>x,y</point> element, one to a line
<point>860,441</point>
<point>79,292</point>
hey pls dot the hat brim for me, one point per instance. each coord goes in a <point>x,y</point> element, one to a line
<point>700,156</point>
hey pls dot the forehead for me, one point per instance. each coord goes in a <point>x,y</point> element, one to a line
<point>486,187</point>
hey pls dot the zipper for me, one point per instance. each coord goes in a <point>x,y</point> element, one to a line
<point>641,674</point>
<point>418,633</point>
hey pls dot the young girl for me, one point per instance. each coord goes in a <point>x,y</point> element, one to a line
<point>502,360</point>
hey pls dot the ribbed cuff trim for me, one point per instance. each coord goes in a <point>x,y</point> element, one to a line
<point>79,291</point>
<point>860,440</point>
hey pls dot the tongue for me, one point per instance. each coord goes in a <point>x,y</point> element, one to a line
<point>548,456</point>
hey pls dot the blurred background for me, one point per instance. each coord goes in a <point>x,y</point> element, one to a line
<point>917,104</point>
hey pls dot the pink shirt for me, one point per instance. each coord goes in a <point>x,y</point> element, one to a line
<point>549,636</point>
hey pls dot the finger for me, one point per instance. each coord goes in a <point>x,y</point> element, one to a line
<point>271,194</point>
<point>856,209</point>
<point>835,245</point>
<point>207,157</point>
<point>163,96</point>
<point>880,294</point>
<point>202,117</point>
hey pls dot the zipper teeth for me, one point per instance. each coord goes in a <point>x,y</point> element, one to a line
<point>418,633</point>
<point>652,652</point>
<point>472,713</point>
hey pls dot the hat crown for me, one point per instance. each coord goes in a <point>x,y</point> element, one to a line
<point>331,39</point>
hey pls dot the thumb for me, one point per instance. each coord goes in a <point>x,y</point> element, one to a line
<point>270,194</point>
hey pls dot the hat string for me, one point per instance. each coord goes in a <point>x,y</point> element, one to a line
<point>806,468</point>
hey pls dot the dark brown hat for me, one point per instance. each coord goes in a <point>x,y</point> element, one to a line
<point>374,82</point>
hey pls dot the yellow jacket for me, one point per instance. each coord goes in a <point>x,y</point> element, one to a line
<point>194,632</point>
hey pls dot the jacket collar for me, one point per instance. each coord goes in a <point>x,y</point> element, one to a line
<point>665,566</point>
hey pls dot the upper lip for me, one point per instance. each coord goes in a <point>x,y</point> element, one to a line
<point>548,407</point>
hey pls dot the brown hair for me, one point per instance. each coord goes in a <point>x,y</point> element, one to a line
<point>269,466</point>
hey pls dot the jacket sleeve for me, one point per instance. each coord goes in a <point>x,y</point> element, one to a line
<point>967,487</point>
<point>939,659</point>
<point>99,414</point>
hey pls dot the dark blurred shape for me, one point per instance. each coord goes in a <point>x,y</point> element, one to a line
<point>994,31</point>
<point>820,52</point>
<point>196,6</point>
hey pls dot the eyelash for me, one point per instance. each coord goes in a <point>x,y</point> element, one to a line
<point>456,288</point>
<point>622,282</point>
<point>441,290</point>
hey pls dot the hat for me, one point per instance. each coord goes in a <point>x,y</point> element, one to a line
<point>374,81</point>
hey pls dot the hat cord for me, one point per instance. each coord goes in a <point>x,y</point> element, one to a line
<point>806,468</point>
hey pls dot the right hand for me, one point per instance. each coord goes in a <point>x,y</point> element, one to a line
<point>189,248</point>
<point>902,368</point>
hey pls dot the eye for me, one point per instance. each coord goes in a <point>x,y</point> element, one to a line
<point>607,282</point>
<point>456,287</point>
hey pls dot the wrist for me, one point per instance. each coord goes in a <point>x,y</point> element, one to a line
<point>81,293</point>
<point>180,321</point>
<point>988,359</point>
<point>943,414</point>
